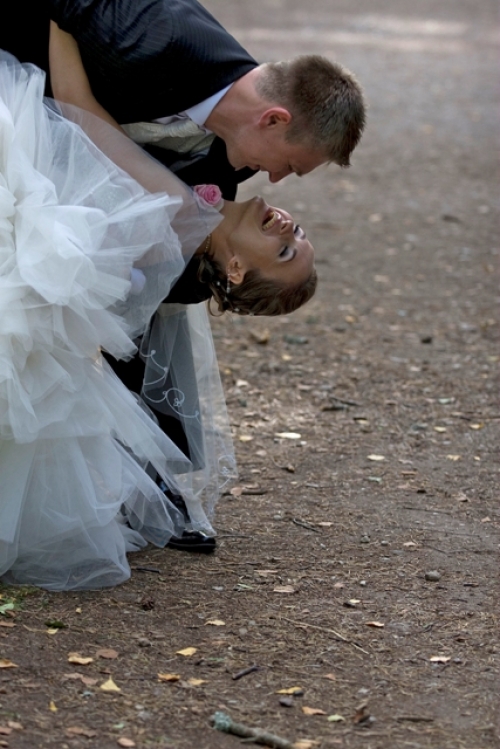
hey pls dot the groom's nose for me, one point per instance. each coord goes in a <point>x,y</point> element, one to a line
<point>277,176</point>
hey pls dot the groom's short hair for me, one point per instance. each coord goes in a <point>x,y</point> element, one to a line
<point>325,100</point>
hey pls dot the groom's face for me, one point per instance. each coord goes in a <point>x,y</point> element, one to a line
<point>265,149</point>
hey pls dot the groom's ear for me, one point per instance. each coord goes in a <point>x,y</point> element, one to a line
<point>275,117</point>
<point>235,270</point>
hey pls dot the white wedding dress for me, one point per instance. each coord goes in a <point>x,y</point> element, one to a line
<point>78,452</point>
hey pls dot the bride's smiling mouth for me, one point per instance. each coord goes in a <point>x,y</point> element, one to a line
<point>270,219</point>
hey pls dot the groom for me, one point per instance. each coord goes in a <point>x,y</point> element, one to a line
<point>149,60</point>
<point>154,63</point>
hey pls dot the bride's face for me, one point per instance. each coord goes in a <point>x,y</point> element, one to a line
<point>266,239</point>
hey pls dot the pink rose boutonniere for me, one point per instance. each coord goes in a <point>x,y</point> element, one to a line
<point>209,195</point>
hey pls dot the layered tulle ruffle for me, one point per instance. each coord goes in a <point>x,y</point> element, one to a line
<point>78,452</point>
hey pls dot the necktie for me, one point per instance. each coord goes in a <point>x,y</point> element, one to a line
<point>182,136</point>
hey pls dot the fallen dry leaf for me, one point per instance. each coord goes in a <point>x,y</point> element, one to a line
<point>77,731</point>
<point>288,435</point>
<point>216,622</point>
<point>196,682</point>
<point>440,429</point>
<point>266,573</point>
<point>87,680</point>
<point>15,725</point>
<point>290,690</point>
<point>109,686</point>
<point>236,491</point>
<point>79,659</point>
<point>7,624</point>
<point>476,426</point>
<point>125,742</point>
<point>4,731</point>
<point>107,653</point>
<point>305,744</point>
<point>169,677</point>
<point>332,677</point>
<point>52,707</point>
<point>186,651</point>
<point>283,589</point>
<point>312,711</point>
<point>336,718</point>
<point>325,523</point>
<point>6,663</point>
<point>453,457</point>
<point>376,457</point>
<point>361,715</point>
<point>440,659</point>
<point>374,624</point>
<point>261,337</point>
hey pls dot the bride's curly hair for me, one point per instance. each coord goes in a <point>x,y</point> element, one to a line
<point>255,295</point>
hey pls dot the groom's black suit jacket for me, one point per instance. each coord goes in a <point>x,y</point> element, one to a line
<point>145,59</point>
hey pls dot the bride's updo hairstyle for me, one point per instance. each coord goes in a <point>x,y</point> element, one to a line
<point>255,295</point>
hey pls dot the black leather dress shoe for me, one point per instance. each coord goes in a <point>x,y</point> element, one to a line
<point>193,541</point>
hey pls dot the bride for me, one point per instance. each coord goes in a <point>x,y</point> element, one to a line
<point>88,250</point>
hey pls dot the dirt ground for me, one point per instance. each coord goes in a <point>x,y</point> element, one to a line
<point>357,561</point>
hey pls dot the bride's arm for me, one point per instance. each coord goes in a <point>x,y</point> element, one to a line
<point>69,80</point>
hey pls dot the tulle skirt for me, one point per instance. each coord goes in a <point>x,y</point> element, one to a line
<point>79,453</point>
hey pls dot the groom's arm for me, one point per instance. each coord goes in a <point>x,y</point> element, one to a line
<point>70,83</point>
<point>147,59</point>
<point>127,48</point>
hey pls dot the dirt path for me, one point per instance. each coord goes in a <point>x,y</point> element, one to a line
<point>388,376</point>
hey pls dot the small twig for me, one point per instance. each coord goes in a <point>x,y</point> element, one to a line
<point>249,492</point>
<point>435,548</point>
<point>427,509</point>
<point>476,417</point>
<point>245,672</point>
<point>434,530</point>
<point>296,670</point>
<point>414,718</point>
<point>334,407</point>
<point>222,722</point>
<point>342,400</point>
<point>308,527</point>
<point>146,569</point>
<point>326,629</point>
